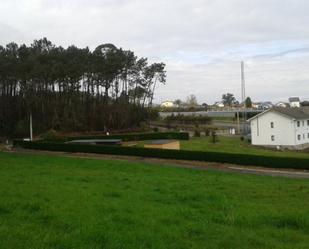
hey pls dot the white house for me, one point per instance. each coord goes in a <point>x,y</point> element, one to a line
<point>266,105</point>
<point>282,104</point>
<point>281,127</point>
<point>256,105</point>
<point>294,102</point>
<point>219,104</point>
<point>167,104</point>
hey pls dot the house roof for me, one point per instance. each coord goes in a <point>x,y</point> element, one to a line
<point>296,113</point>
<point>267,103</point>
<point>294,99</point>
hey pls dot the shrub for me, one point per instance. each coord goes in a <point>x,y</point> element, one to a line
<point>155,129</point>
<point>51,135</point>
<point>241,159</point>
<point>137,136</point>
<point>214,137</point>
<point>197,133</point>
<point>187,119</point>
<point>143,126</point>
<point>207,132</point>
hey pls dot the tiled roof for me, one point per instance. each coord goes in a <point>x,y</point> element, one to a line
<point>294,99</point>
<point>297,113</point>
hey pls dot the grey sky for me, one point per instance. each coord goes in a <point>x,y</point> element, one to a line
<point>201,41</point>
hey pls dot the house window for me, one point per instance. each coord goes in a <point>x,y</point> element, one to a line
<point>308,135</point>
<point>272,125</point>
<point>308,122</point>
<point>272,138</point>
<point>298,123</point>
<point>299,137</point>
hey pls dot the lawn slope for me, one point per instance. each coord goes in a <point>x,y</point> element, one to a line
<point>57,202</point>
<point>235,145</point>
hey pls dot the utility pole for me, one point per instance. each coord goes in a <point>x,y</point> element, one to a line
<point>31,131</point>
<point>238,123</point>
<point>243,94</point>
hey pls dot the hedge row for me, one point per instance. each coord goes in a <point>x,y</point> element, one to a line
<point>136,136</point>
<point>241,159</point>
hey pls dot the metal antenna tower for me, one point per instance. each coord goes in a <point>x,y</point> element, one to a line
<point>243,95</point>
<point>243,84</point>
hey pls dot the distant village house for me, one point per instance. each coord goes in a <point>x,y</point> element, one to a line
<point>219,104</point>
<point>167,104</point>
<point>294,102</point>
<point>282,104</point>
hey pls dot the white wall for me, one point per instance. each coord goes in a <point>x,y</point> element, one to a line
<point>167,104</point>
<point>283,131</point>
<point>295,104</point>
<point>303,131</point>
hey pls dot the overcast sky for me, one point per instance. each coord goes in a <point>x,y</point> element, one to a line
<point>201,41</point>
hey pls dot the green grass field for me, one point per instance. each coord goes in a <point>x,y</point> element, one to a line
<point>235,145</point>
<point>230,145</point>
<point>57,202</point>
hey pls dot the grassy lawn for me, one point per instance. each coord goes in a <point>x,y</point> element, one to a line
<point>56,202</point>
<point>229,145</point>
<point>235,145</point>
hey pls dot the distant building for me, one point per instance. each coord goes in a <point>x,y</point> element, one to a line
<point>282,104</point>
<point>256,105</point>
<point>167,104</point>
<point>281,127</point>
<point>266,105</point>
<point>294,102</point>
<point>219,104</point>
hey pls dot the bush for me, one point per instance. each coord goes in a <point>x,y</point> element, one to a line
<point>214,137</point>
<point>137,136</point>
<point>187,119</point>
<point>143,126</point>
<point>207,132</point>
<point>152,114</point>
<point>155,129</point>
<point>241,159</point>
<point>197,133</point>
<point>248,114</point>
<point>51,135</point>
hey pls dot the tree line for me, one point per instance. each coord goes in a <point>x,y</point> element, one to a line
<point>74,89</point>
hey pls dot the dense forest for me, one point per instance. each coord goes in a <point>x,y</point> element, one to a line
<point>74,89</point>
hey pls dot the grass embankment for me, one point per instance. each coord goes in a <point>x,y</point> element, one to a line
<point>57,202</point>
<point>235,145</point>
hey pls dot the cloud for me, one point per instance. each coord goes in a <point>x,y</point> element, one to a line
<point>201,41</point>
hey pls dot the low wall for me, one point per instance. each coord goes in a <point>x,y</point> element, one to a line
<point>173,145</point>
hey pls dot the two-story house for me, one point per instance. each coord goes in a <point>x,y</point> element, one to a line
<point>281,127</point>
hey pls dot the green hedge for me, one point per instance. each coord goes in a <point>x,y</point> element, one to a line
<point>136,136</point>
<point>241,159</point>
